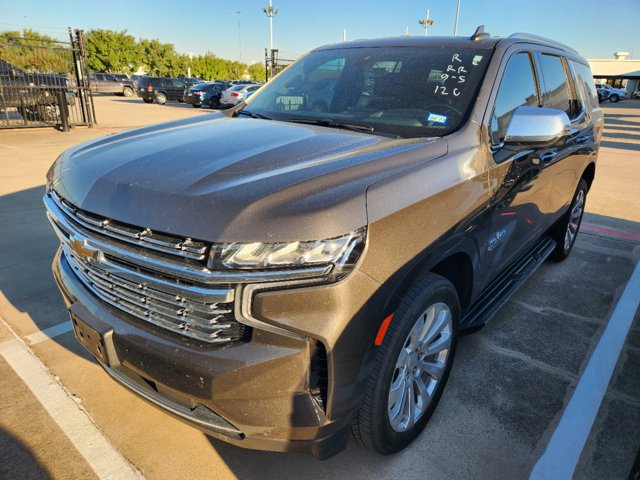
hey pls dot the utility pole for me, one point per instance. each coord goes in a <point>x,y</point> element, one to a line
<point>455,27</point>
<point>270,12</point>
<point>239,35</point>
<point>344,35</point>
<point>426,23</point>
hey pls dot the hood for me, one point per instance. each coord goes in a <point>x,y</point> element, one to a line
<point>226,179</point>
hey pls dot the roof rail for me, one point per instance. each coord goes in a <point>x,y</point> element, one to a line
<point>479,34</point>
<point>538,38</point>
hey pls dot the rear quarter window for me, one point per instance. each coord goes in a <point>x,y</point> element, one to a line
<point>585,84</point>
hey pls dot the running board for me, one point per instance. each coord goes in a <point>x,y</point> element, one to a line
<point>500,290</point>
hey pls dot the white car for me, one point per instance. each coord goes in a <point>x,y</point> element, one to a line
<point>615,94</point>
<point>236,94</point>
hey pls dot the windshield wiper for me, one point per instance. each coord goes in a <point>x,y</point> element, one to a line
<point>252,114</point>
<point>332,124</point>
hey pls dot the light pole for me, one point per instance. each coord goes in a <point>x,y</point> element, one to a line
<point>455,27</point>
<point>426,23</point>
<point>239,35</point>
<point>270,12</point>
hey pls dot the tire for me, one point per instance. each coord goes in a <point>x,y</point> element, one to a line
<point>614,98</point>
<point>384,422</point>
<point>161,98</point>
<point>148,100</point>
<point>127,92</point>
<point>566,230</point>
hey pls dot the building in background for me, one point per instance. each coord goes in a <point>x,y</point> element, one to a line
<point>619,72</point>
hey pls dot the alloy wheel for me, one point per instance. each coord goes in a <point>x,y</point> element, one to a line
<point>420,366</point>
<point>574,220</point>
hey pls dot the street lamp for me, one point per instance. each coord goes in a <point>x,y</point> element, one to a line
<point>426,23</point>
<point>239,35</point>
<point>270,12</point>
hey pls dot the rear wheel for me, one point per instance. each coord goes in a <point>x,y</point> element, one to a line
<point>161,98</point>
<point>566,230</point>
<point>411,367</point>
<point>127,92</point>
<point>614,98</point>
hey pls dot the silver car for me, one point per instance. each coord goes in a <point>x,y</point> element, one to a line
<point>236,94</point>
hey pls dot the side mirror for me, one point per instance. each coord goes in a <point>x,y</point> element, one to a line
<point>534,125</point>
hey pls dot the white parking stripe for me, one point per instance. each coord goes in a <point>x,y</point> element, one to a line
<point>51,332</point>
<point>563,451</point>
<point>96,449</point>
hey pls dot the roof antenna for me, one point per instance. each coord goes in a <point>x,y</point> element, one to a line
<point>479,34</point>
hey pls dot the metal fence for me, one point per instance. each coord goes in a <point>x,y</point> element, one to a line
<point>274,64</point>
<point>44,83</point>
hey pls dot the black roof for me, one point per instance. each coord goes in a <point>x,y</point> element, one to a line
<point>452,42</point>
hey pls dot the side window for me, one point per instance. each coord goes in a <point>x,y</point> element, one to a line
<point>557,90</point>
<point>517,88</point>
<point>585,83</point>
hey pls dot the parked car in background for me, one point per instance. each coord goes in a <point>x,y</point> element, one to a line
<point>205,94</point>
<point>603,94</point>
<point>109,83</point>
<point>636,94</point>
<point>35,95</point>
<point>160,89</point>
<point>282,276</point>
<point>615,94</point>
<point>234,95</point>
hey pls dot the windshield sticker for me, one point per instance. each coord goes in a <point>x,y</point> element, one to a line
<point>437,118</point>
<point>476,60</point>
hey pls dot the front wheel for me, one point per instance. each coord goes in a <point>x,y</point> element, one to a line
<point>566,230</point>
<point>614,98</point>
<point>161,98</point>
<point>411,367</point>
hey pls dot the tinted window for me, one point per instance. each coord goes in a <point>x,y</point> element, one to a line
<point>401,91</point>
<point>558,94</point>
<point>517,89</point>
<point>585,84</point>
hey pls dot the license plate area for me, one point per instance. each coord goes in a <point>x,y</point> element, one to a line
<point>90,338</point>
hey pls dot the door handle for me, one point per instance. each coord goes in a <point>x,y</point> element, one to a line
<point>582,139</point>
<point>547,158</point>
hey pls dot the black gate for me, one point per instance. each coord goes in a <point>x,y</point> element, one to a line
<point>274,64</point>
<point>44,82</point>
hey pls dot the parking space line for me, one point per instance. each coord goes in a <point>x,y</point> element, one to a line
<point>565,446</point>
<point>95,448</point>
<point>607,231</point>
<point>48,333</point>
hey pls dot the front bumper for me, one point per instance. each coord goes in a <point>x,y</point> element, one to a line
<point>254,394</point>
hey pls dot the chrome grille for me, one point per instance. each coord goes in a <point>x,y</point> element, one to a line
<point>122,278</point>
<point>143,237</point>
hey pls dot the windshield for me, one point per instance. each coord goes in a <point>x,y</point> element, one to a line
<point>402,91</point>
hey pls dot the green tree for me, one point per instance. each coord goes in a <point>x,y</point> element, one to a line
<point>160,59</point>
<point>111,51</point>
<point>34,52</point>
<point>257,71</point>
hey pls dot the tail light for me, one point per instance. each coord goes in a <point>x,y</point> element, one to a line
<point>149,88</point>
<point>197,93</point>
<point>235,94</point>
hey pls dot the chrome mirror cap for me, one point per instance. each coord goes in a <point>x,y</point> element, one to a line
<point>537,125</point>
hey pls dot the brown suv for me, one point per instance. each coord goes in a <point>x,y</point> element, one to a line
<point>301,266</point>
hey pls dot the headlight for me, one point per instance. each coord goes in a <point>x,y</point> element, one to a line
<point>342,252</point>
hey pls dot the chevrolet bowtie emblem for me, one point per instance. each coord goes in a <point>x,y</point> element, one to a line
<point>83,250</point>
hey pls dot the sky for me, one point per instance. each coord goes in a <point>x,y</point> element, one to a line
<point>595,28</point>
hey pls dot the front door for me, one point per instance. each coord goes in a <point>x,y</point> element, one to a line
<point>519,207</point>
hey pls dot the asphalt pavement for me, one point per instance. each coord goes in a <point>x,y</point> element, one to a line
<point>514,386</point>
